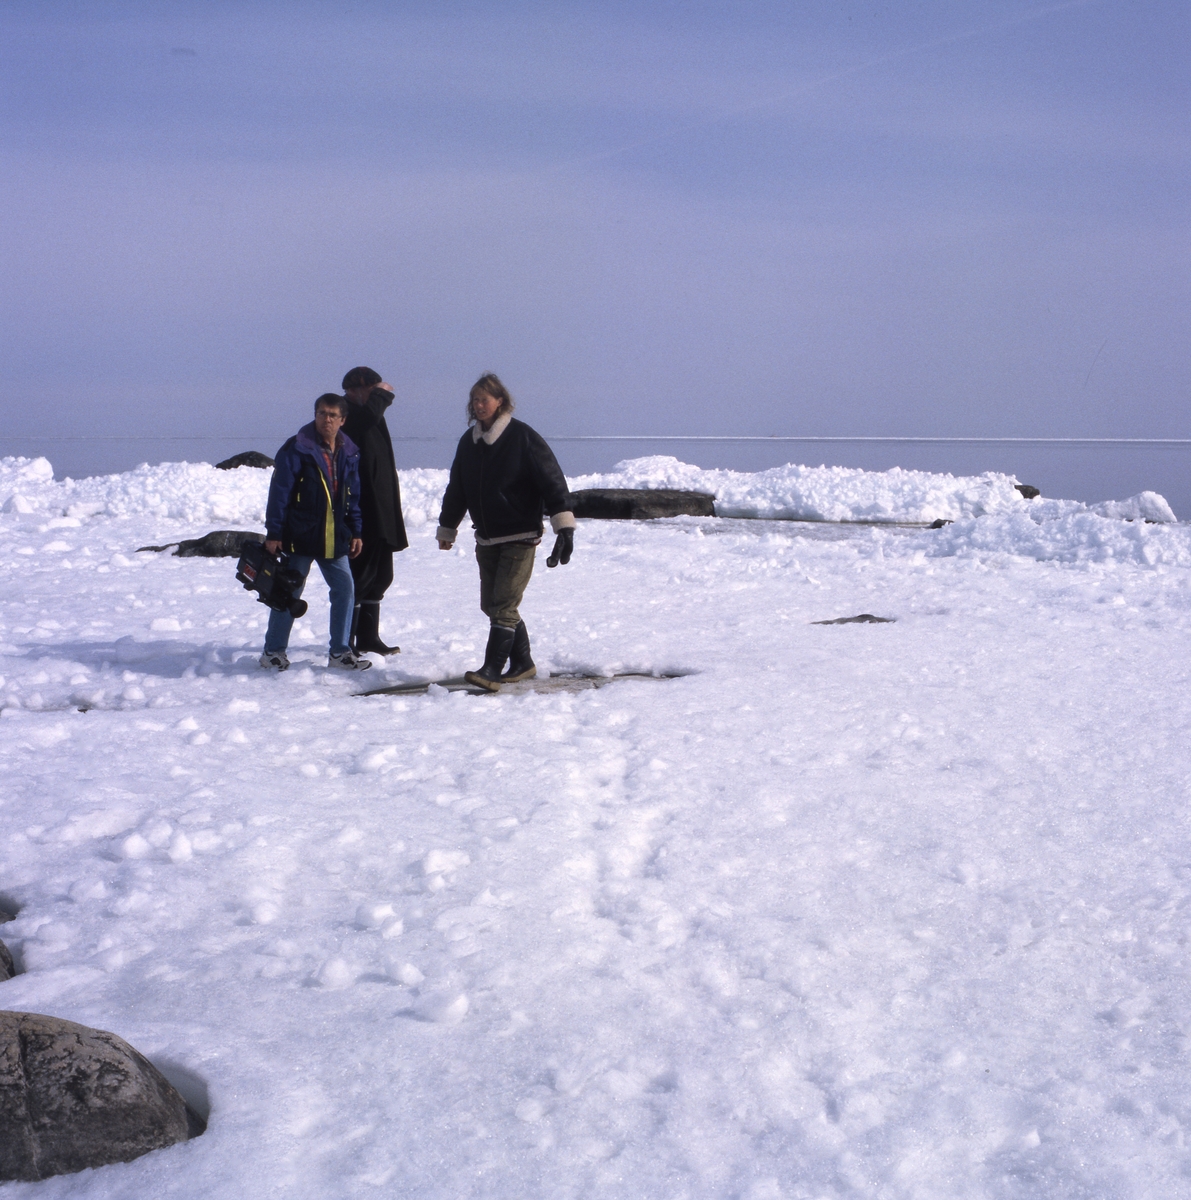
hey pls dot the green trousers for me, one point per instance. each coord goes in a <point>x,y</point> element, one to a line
<point>504,574</point>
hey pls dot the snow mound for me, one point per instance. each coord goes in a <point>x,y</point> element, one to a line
<point>1079,536</point>
<point>1145,506</point>
<point>194,493</point>
<point>421,495</point>
<point>18,478</point>
<point>798,493</point>
<point>202,497</point>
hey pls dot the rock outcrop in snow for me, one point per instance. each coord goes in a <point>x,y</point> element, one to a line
<point>73,1098</point>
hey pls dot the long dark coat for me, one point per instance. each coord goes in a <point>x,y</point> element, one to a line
<point>380,490</point>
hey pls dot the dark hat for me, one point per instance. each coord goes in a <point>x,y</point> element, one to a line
<point>359,377</point>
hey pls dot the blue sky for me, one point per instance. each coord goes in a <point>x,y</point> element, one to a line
<point>964,218</point>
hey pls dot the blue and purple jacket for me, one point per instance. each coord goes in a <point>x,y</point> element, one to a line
<point>314,497</point>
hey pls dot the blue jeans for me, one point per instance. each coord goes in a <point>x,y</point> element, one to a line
<point>338,575</point>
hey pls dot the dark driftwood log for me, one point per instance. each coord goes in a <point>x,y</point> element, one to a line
<point>73,1098</point>
<point>640,504</point>
<point>249,458</point>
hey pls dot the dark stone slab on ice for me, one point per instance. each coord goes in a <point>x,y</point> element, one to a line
<point>221,543</point>
<point>640,504</point>
<point>7,967</point>
<point>250,458</point>
<point>860,619</point>
<point>1027,490</point>
<point>73,1098</point>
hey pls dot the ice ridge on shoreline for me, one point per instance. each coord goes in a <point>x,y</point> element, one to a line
<point>987,512</point>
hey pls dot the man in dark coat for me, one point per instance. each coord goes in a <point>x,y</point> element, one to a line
<point>505,476</point>
<point>380,502</point>
<point>313,515</point>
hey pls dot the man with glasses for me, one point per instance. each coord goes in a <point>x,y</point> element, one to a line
<point>313,514</point>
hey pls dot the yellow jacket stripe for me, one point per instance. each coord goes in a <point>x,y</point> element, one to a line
<point>329,530</point>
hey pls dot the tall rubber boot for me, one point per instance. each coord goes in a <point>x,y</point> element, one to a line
<point>500,642</point>
<point>520,664</point>
<point>367,630</point>
<point>351,637</point>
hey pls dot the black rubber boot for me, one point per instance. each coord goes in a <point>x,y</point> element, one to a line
<point>351,637</point>
<point>500,642</point>
<point>520,664</point>
<point>366,630</point>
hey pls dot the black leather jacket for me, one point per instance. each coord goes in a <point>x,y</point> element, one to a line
<point>507,485</point>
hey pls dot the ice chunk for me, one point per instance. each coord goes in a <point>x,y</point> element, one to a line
<point>1145,506</point>
<point>444,862</point>
<point>443,1006</point>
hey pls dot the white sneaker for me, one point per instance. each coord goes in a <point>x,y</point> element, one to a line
<point>275,658</point>
<point>347,661</point>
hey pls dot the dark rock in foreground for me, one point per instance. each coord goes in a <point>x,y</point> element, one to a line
<point>1027,490</point>
<point>861,619</point>
<point>250,458</point>
<point>640,504</point>
<point>73,1097</point>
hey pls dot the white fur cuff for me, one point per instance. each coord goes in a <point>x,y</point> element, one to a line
<point>561,521</point>
<point>445,535</point>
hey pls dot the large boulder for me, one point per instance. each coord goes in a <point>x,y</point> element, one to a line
<point>640,504</point>
<point>249,458</point>
<point>73,1097</point>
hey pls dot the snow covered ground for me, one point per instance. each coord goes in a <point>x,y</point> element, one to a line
<point>891,910</point>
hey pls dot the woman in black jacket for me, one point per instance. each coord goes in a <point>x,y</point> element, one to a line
<point>505,476</point>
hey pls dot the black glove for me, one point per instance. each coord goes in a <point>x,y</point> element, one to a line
<point>564,547</point>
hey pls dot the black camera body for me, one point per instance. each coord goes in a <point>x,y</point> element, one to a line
<point>274,583</point>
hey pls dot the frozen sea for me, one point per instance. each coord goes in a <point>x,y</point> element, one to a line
<point>869,910</point>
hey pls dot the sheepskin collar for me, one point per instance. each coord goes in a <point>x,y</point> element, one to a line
<point>498,427</point>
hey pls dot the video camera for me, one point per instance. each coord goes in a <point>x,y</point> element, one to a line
<point>268,576</point>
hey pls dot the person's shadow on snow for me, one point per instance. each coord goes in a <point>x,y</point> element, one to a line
<point>165,659</point>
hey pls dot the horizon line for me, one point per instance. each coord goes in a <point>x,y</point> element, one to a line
<point>647,437</point>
